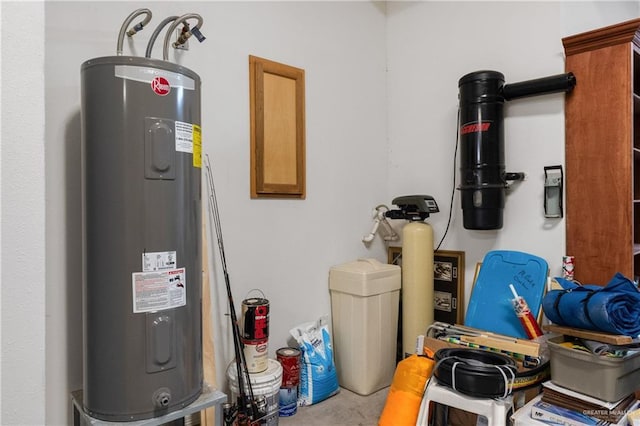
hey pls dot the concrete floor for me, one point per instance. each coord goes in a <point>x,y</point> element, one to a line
<point>343,409</point>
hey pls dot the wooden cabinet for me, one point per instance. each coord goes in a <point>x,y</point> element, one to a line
<point>603,153</point>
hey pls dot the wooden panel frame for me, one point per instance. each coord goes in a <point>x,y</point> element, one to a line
<point>277,104</point>
<point>448,285</point>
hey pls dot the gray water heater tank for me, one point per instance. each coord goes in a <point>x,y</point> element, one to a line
<point>141,150</point>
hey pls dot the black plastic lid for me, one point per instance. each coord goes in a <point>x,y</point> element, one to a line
<point>481,75</point>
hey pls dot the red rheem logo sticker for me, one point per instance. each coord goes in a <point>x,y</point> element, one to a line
<point>161,86</point>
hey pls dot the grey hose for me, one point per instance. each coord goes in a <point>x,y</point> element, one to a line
<point>156,33</point>
<point>183,18</point>
<point>135,29</point>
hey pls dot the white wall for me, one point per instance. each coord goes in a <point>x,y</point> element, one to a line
<point>354,161</point>
<point>23,217</point>
<point>431,45</point>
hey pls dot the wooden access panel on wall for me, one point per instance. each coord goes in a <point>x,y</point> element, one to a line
<point>277,130</point>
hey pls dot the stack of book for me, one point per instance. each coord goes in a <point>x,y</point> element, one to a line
<point>560,406</point>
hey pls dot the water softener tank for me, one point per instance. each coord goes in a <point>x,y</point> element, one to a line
<point>141,147</point>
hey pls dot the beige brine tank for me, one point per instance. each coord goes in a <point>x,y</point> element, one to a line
<point>365,297</point>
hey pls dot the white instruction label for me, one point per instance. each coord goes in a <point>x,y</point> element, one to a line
<point>159,290</point>
<point>184,137</point>
<point>158,260</point>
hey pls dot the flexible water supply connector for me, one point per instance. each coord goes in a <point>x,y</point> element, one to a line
<point>138,27</point>
<point>185,35</point>
<point>156,33</point>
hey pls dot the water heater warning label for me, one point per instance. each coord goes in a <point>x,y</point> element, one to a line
<point>159,290</point>
<point>158,260</point>
<point>197,146</point>
<point>184,137</point>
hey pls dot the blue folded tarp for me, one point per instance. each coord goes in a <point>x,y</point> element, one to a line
<point>614,308</point>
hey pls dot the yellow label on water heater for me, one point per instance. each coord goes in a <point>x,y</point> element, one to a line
<point>197,146</point>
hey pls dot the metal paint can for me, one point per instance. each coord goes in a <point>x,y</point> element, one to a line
<point>568,265</point>
<point>255,319</point>
<point>290,360</point>
<point>255,333</point>
<point>255,353</point>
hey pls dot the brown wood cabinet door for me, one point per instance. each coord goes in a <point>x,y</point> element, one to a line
<point>599,116</point>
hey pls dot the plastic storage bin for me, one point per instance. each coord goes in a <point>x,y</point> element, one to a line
<point>608,379</point>
<point>365,297</point>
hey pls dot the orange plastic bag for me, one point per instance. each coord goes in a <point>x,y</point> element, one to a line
<point>405,394</point>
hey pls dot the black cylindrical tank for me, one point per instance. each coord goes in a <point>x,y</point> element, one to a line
<point>141,150</point>
<point>482,165</point>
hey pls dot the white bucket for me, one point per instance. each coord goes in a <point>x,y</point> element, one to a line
<point>266,383</point>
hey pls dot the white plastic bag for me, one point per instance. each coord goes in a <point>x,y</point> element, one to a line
<point>318,377</point>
